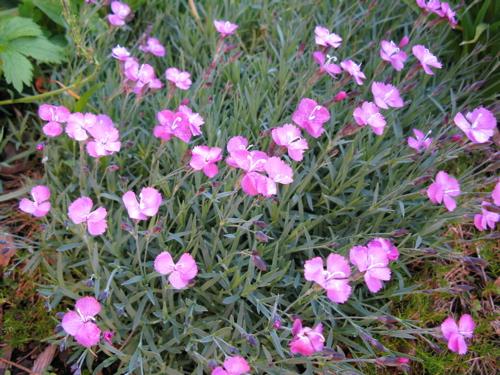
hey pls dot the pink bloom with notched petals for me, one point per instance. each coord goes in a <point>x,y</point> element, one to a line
<point>354,70</point>
<point>386,245</point>
<point>325,66</point>
<point>120,53</point>
<point>279,171</point>
<point>391,53</point>
<point>106,138</point>
<point>306,341</point>
<point>147,206</point>
<point>179,274</point>
<point>204,158</point>
<point>495,194</point>
<point>486,219</point>
<point>478,125</point>
<point>235,365</point>
<point>194,119</point>
<point>420,142</point>
<point>225,28</point>
<point>443,190</point>
<point>386,95</point>
<point>120,13</point>
<point>78,123</point>
<point>180,79</point>
<point>373,261</point>
<point>55,113</point>
<point>131,69</point>
<point>172,124</point>
<point>369,114</point>
<point>254,183</point>
<point>457,333</point>
<point>450,14</point>
<point>250,161</point>
<point>237,143</point>
<point>324,38</point>
<point>154,47</point>
<point>80,211</point>
<point>427,59</point>
<point>311,117</point>
<point>289,136</point>
<point>79,323</point>
<point>146,78</point>
<point>40,205</point>
<point>52,129</point>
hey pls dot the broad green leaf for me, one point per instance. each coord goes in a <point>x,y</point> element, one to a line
<point>52,8</point>
<point>39,48</point>
<point>17,69</point>
<point>17,27</point>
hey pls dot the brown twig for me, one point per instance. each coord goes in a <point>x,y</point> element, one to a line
<point>10,363</point>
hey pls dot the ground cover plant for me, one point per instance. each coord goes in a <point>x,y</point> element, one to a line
<point>252,195</point>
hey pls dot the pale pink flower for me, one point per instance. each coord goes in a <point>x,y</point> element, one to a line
<point>179,274</point>
<point>249,161</point>
<point>325,66</point>
<point>386,245</point>
<point>120,53</point>
<point>225,28</point>
<point>443,189</point>
<point>79,323</point>
<point>194,119</point>
<point>40,206</point>
<point>254,183</point>
<point>106,138</point>
<point>457,333</point>
<point>391,53</point>
<point>172,124</point>
<point>53,113</point>
<point>289,136</point>
<point>432,6</point>
<point>235,144</point>
<point>204,158</point>
<point>478,125</point>
<point>373,261</point>
<point>311,117</point>
<point>486,219</point>
<point>154,47</point>
<point>448,13</point>
<point>78,123</point>
<point>108,336</point>
<point>120,13</point>
<point>386,95</point>
<point>180,79</point>
<point>131,69</point>
<point>324,38</point>
<point>146,78</point>
<point>80,211</point>
<point>495,194</point>
<point>235,365</point>
<point>420,142</point>
<point>52,129</point>
<point>147,206</point>
<point>427,59</point>
<point>354,70</point>
<point>279,171</point>
<point>306,341</point>
<point>369,114</point>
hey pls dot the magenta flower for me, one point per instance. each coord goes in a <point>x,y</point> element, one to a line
<point>146,78</point>
<point>279,171</point>
<point>205,158</point>
<point>180,79</point>
<point>108,336</point>
<point>420,142</point>
<point>391,53</point>
<point>148,205</point>
<point>254,183</point>
<point>443,189</point>
<point>234,145</point>
<point>172,124</point>
<point>249,161</point>
<point>456,334</point>
<point>386,245</point>
<point>495,194</point>
<point>354,70</point>
<point>369,114</point>
<point>289,136</point>
<point>432,6</point>
<point>324,38</point>
<point>306,341</point>
<point>325,66</point>
<point>486,219</point>
<point>120,13</point>
<point>478,125</point>
<point>80,212</point>
<point>235,365</point>
<point>373,261</point>
<point>78,123</point>
<point>194,119</point>
<point>311,117</point>
<point>225,28</point>
<point>386,95</point>
<point>154,47</point>
<point>120,53</point>
<point>341,95</point>
<point>448,13</point>
<point>55,115</point>
<point>40,205</point>
<point>79,323</point>
<point>106,138</point>
<point>427,59</point>
<point>179,274</point>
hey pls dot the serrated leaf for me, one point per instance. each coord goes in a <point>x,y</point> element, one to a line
<point>40,48</point>
<point>17,27</point>
<point>17,69</point>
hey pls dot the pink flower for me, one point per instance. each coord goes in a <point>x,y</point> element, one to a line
<point>80,212</point>
<point>172,124</point>
<point>306,341</point>
<point>404,41</point>
<point>154,47</point>
<point>495,194</point>
<point>40,206</point>
<point>180,79</point>
<point>354,70</point>
<point>420,142</point>
<point>279,171</point>
<point>373,261</point>
<point>386,245</point>
<point>235,144</point>
<point>456,334</point>
<point>120,53</point>
<point>254,183</point>
<point>427,59</point>
<point>386,95</point>
<point>324,38</point>
<point>106,138</point>
<point>108,336</point>
<point>146,78</point>
<point>478,125</point>
<point>432,6</point>
<point>194,119</point>
<point>391,53</point>
<point>79,323</point>
<point>249,161</point>
<point>78,123</point>
<point>148,205</point>
<point>369,114</point>
<point>311,117</point>
<point>449,13</point>
<point>225,28</point>
<point>486,219</point>
<point>53,113</point>
<point>289,136</point>
<point>52,129</point>
<point>180,273</point>
<point>120,13</point>
<point>443,189</point>
<point>325,66</point>
<point>341,95</point>
<point>205,158</point>
<point>236,365</point>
